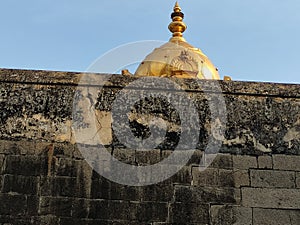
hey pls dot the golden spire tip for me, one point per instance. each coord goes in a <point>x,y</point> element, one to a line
<point>177,27</point>
<point>177,7</point>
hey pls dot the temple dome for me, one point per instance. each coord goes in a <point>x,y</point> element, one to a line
<point>177,58</point>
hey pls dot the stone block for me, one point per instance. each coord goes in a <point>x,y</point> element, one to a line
<point>212,177</point>
<point>298,179</point>
<point>9,147</point>
<point>272,178</point>
<point>33,202</point>
<point>241,178</point>
<point>206,178</point>
<point>20,184</point>
<point>226,178</point>
<point>17,147</point>
<point>64,207</point>
<point>128,211</point>
<point>228,215</point>
<point>149,212</point>
<point>26,147</point>
<point>265,162</point>
<point>64,187</point>
<point>105,189</point>
<point>183,176</point>
<point>55,206</point>
<point>13,205</point>
<point>286,162</point>
<point>271,198</point>
<point>2,157</point>
<point>275,217</point>
<point>194,159</point>
<point>222,161</point>
<point>25,165</point>
<point>244,162</point>
<point>47,219</point>
<point>147,157</point>
<point>13,220</point>
<point>181,213</point>
<point>99,209</point>
<point>200,195</point>
<point>1,182</point>
<point>157,193</point>
<point>122,192</point>
<point>101,188</point>
<point>125,155</point>
<point>71,167</point>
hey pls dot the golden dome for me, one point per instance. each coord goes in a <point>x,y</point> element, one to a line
<point>177,58</point>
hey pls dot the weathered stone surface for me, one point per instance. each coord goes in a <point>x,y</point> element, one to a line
<point>64,207</point>
<point>25,165</point>
<point>1,162</point>
<point>18,148</point>
<point>15,205</point>
<point>149,157</point>
<point>40,159</point>
<point>271,198</point>
<point>207,178</point>
<point>269,178</point>
<point>201,195</point>
<point>228,215</point>
<point>212,177</point>
<point>123,210</point>
<point>244,162</point>
<point>20,184</point>
<point>180,213</point>
<point>265,162</point>
<point>286,162</point>
<point>40,109</point>
<point>65,187</point>
<point>222,161</point>
<point>241,178</point>
<point>275,217</point>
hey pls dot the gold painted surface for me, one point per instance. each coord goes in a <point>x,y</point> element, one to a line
<point>177,58</point>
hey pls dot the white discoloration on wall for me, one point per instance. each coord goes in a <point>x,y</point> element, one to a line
<point>104,131</point>
<point>245,137</point>
<point>293,133</point>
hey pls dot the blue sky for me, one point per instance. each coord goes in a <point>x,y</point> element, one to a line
<point>255,40</point>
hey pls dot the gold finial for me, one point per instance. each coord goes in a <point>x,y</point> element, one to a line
<point>177,7</point>
<point>177,27</point>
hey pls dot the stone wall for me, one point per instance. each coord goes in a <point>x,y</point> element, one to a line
<point>44,178</point>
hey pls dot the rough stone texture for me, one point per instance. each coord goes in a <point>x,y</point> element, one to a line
<point>268,178</point>
<point>286,162</point>
<point>44,178</point>
<point>228,215</point>
<point>244,162</point>
<point>298,179</point>
<point>275,217</point>
<point>271,198</point>
<point>241,178</point>
<point>262,117</point>
<point>265,162</point>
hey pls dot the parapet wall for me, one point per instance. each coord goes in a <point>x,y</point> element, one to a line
<point>44,178</point>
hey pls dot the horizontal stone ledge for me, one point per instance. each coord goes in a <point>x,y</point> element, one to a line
<point>276,198</point>
<point>73,78</point>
